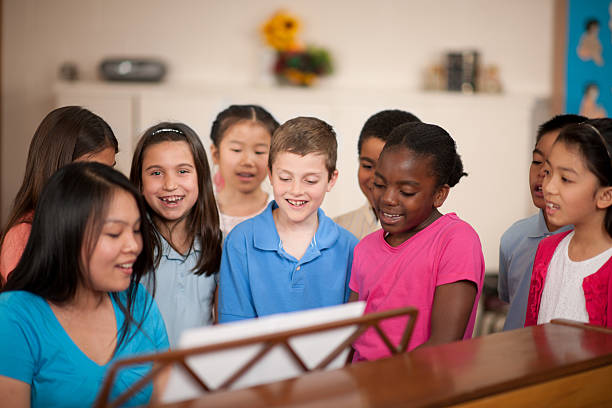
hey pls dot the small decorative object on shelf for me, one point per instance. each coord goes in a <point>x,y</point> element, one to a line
<point>295,63</point>
<point>69,71</point>
<point>489,81</point>
<point>462,71</point>
<point>132,69</point>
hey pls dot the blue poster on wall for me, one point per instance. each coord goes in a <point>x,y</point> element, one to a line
<point>589,58</point>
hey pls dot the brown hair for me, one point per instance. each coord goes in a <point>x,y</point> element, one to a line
<point>63,136</point>
<point>305,135</point>
<point>203,219</point>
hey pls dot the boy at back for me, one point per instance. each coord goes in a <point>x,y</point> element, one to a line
<point>372,139</point>
<point>292,256</point>
<point>519,243</point>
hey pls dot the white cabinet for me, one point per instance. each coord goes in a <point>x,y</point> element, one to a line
<point>494,135</point>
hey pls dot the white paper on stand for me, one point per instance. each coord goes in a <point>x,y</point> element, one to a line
<point>216,367</point>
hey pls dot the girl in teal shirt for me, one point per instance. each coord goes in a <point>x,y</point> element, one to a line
<point>73,304</point>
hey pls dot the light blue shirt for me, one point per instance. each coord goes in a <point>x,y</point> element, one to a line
<point>258,277</point>
<point>517,251</point>
<point>35,349</point>
<point>184,298</point>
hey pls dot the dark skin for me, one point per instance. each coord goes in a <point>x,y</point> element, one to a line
<point>405,188</point>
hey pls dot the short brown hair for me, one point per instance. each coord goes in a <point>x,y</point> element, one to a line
<point>305,135</point>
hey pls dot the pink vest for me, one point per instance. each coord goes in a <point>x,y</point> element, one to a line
<point>597,287</point>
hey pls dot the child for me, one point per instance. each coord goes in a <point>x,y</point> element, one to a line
<point>65,135</point>
<point>292,256</point>
<point>572,273</point>
<point>73,305</point>
<point>519,243</point>
<point>374,134</point>
<point>590,47</point>
<point>241,136</point>
<point>420,258</point>
<point>171,170</point>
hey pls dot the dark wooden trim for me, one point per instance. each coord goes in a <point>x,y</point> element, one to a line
<point>572,323</point>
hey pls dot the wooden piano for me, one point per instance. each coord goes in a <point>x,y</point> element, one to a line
<point>561,364</point>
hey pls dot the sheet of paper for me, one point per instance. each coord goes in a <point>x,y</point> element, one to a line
<point>215,368</point>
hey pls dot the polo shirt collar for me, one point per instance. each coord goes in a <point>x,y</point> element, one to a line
<point>265,235</point>
<point>541,229</point>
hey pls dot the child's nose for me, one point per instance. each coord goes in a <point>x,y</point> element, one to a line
<point>169,182</point>
<point>247,157</point>
<point>541,173</point>
<point>296,187</point>
<point>389,197</point>
<point>548,186</point>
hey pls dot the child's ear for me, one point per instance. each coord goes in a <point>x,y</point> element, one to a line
<point>214,153</point>
<point>440,195</point>
<point>604,198</point>
<point>332,180</point>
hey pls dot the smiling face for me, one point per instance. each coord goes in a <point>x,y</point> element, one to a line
<point>169,180</point>
<point>405,193</point>
<point>299,184</point>
<point>572,192</point>
<point>110,264</point>
<point>242,156</point>
<point>536,170</point>
<point>370,151</point>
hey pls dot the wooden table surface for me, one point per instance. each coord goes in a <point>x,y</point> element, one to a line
<point>437,376</point>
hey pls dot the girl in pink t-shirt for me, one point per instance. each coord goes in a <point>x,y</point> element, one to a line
<point>420,258</point>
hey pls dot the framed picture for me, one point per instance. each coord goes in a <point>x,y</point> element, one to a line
<point>583,58</point>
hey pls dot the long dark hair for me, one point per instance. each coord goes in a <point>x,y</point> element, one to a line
<point>593,138</point>
<point>68,219</point>
<point>63,136</point>
<point>203,219</point>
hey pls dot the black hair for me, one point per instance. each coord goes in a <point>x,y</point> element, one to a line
<point>433,142</point>
<point>382,123</point>
<point>238,113</point>
<point>590,23</point>
<point>593,138</point>
<point>67,221</point>
<point>203,220</point>
<point>557,123</point>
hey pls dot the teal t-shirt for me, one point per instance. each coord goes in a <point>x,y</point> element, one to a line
<point>35,349</point>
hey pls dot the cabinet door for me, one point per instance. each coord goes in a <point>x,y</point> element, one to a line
<point>117,111</point>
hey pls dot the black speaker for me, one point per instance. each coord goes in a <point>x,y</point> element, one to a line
<point>132,69</point>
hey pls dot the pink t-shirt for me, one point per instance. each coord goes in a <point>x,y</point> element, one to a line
<point>14,243</point>
<point>389,277</point>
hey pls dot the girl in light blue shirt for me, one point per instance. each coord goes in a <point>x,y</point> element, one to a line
<point>73,304</point>
<point>171,170</point>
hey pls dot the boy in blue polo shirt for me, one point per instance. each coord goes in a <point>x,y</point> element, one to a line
<point>519,243</point>
<point>292,256</point>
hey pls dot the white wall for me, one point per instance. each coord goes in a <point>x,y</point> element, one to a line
<point>381,44</point>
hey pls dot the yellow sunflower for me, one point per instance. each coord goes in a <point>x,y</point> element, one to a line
<point>280,31</point>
